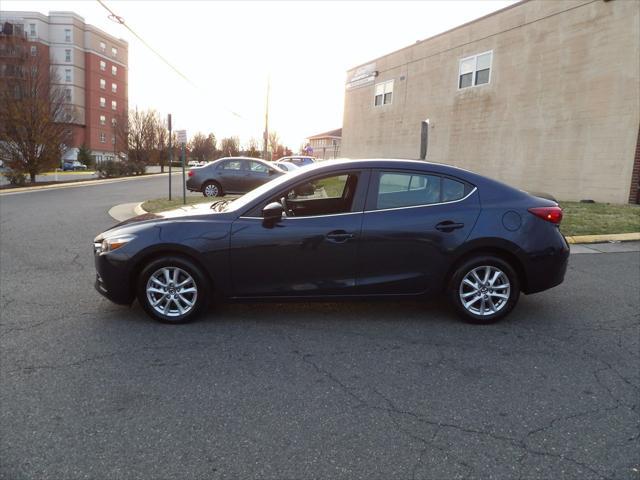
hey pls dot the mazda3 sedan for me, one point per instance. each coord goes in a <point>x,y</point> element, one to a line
<point>231,175</point>
<point>342,230</point>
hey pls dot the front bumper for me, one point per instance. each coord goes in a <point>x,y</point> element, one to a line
<point>113,280</point>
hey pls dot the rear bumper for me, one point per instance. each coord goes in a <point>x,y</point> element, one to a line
<point>546,269</point>
<point>113,280</point>
<point>193,186</point>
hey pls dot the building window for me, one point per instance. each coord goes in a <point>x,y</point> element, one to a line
<point>475,70</point>
<point>103,47</point>
<point>103,120</point>
<point>384,93</point>
<point>32,29</point>
<point>114,104</point>
<point>103,83</point>
<point>114,51</point>
<point>67,35</point>
<point>34,50</point>
<point>113,139</point>
<point>103,102</point>
<point>114,122</point>
<point>103,65</point>
<point>67,75</point>
<point>114,70</point>
<point>114,88</point>
<point>67,95</point>
<point>67,55</point>
<point>103,138</point>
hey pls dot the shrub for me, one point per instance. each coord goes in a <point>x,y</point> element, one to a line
<point>113,168</point>
<point>15,178</point>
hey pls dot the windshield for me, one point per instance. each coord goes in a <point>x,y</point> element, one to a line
<point>247,198</point>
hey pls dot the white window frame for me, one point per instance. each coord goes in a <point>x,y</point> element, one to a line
<point>114,88</point>
<point>114,51</point>
<point>33,50</point>
<point>32,30</point>
<point>114,105</point>
<point>384,92</point>
<point>103,102</point>
<point>67,95</point>
<point>114,70</point>
<point>475,70</point>
<point>103,47</point>
<point>103,84</point>
<point>67,35</point>
<point>67,55</point>
<point>67,75</point>
<point>103,65</point>
<point>114,122</point>
<point>102,137</point>
<point>103,120</point>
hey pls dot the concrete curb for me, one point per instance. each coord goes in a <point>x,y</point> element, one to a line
<point>612,237</point>
<point>139,210</point>
<point>14,191</point>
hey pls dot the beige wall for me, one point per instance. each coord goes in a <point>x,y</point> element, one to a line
<point>560,114</point>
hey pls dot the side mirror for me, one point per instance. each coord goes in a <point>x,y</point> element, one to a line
<point>272,212</point>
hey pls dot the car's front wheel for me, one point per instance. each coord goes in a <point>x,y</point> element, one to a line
<point>484,289</point>
<point>212,189</point>
<point>172,290</point>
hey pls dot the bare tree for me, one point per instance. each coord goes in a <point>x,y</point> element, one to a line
<point>230,146</point>
<point>35,115</point>
<point>253,148</point>
<point>274,141</point>
<point>203,148</point>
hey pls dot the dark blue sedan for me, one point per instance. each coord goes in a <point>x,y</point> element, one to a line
<point>341,230</point>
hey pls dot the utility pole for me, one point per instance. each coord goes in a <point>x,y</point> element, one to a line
<point>265,149</point>
<point>170,153</point>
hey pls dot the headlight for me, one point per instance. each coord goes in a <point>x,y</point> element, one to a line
<point>113,243</point>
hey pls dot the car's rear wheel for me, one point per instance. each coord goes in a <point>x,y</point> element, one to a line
<point>172,290</point>
<point>212,189</point>
<point>484,289</point>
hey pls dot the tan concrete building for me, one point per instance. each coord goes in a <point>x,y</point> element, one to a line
<point>326,146</point>
<point>543,95</point>
<point>91,67</point>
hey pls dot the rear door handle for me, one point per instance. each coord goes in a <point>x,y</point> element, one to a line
<point>339,236</point>
<point>448,226</point>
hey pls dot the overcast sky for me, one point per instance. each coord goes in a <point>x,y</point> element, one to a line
<point>228,49</point>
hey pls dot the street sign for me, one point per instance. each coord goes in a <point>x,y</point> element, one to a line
<point>182,136</point>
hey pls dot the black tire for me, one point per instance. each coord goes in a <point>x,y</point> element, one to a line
<point>213,186</point>
<point>454,289</point>
<point>185,265</point>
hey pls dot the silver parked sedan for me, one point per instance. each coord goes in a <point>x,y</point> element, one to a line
<point>231,175</point>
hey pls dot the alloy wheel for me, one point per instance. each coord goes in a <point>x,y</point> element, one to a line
<point>171,291</point>
<point>211,190</point>
<point>485,290</point>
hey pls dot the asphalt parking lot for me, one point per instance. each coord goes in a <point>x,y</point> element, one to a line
<point>351,390</point>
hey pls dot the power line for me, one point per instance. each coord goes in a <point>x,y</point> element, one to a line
<point>120,20</point>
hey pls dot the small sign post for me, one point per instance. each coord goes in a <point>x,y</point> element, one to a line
<point>170,153</point>
<point>182,140</point>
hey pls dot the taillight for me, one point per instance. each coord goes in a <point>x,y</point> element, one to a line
<point>550,214</point>
<point>191,173</point>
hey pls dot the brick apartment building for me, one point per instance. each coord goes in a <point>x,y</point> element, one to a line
<point>544,95</point>
<point>91,66</point>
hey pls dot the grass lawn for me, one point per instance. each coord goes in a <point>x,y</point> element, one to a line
<point>160,204</point>
<point>579,218</point>
<point>599,218</point>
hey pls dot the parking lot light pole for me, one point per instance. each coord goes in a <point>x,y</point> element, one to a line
<point>170,153</point>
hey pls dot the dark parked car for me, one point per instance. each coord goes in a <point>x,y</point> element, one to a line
<point>231,175</point>
<point>73,166</point>
<point>365,228</point>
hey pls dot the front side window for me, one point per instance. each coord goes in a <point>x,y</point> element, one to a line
<point>323,196</point>
<point>67,55</point>
<point>407,189</point>
<point>232,165</point>
<point>258,167</point>
<point>475,70</point>
<point>383,93</point>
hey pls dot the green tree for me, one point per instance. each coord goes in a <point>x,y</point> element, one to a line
<point>84,156</point>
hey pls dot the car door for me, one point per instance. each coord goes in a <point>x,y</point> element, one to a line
<point>309,253</point>
<point>231,174</point>
<point>412,223</point>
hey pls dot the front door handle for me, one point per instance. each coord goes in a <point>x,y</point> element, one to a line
<point>339,236</point>
<point>448,226</point>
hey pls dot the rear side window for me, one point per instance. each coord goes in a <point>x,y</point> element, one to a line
<point>407,189</point>
<point>452,190</point>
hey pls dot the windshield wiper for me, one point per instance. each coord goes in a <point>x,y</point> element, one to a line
<point>220,203</point>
